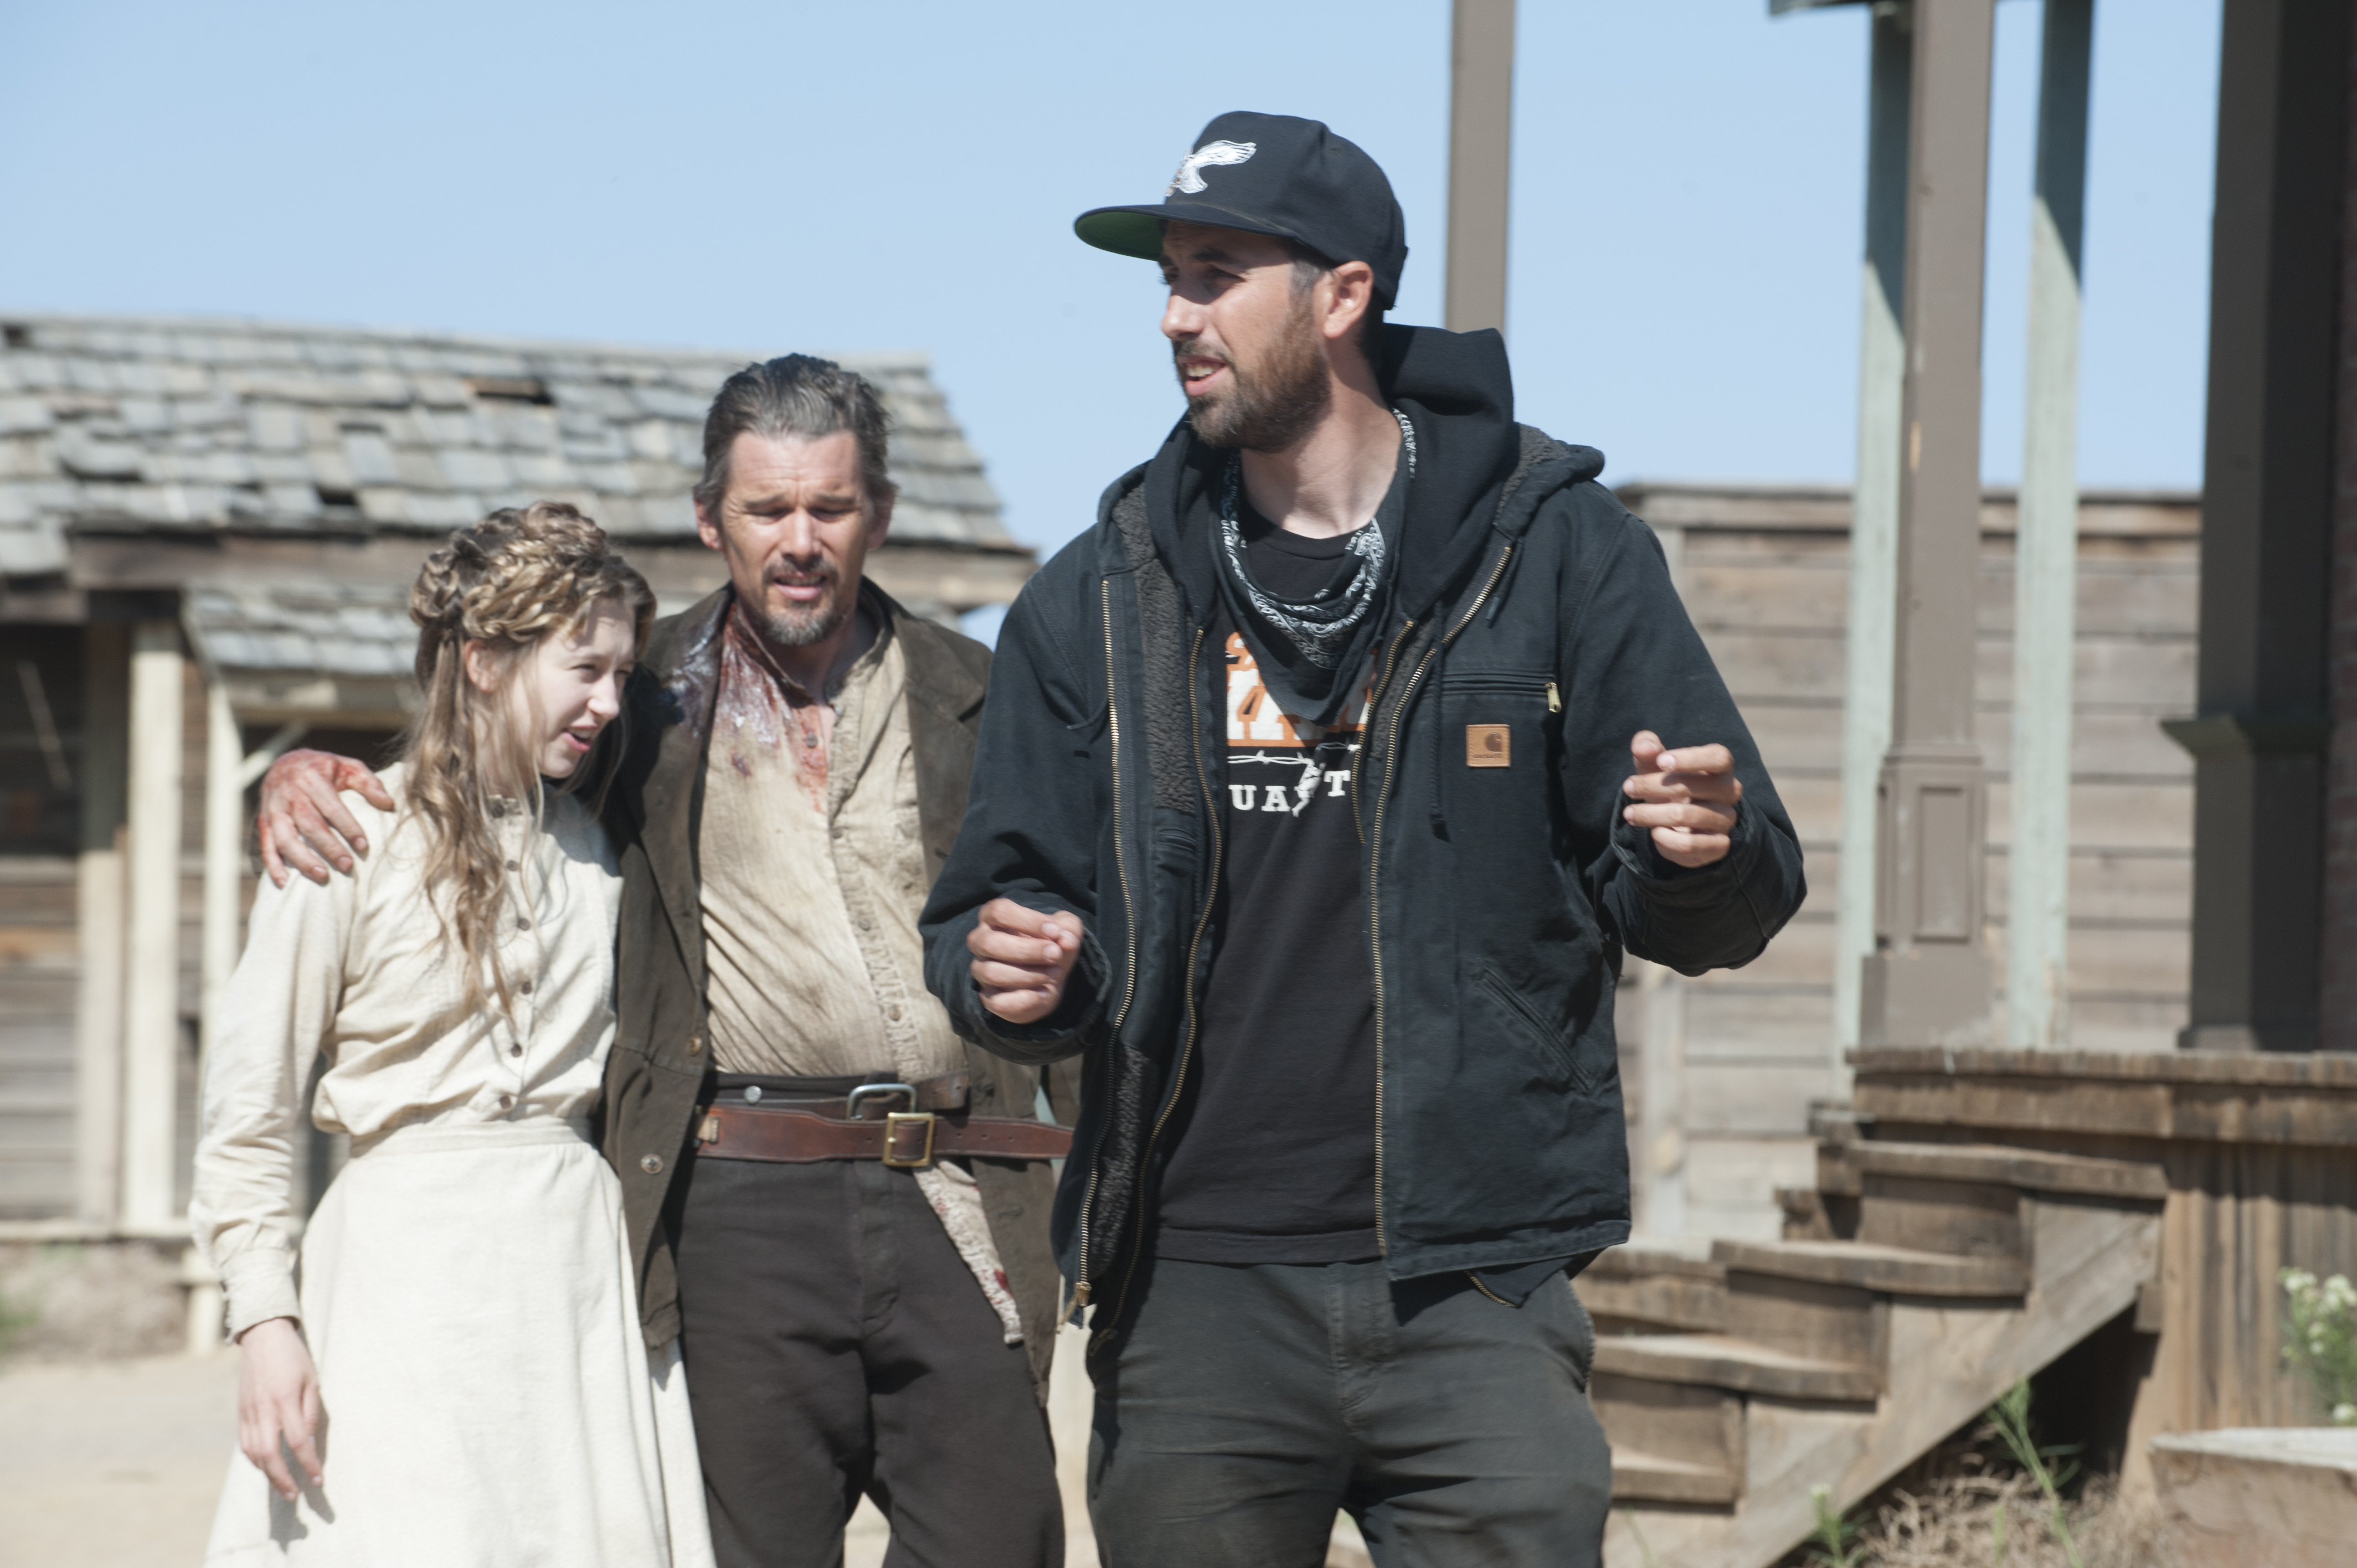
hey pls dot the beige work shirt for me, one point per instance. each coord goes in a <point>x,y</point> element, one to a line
<point>811,876</point>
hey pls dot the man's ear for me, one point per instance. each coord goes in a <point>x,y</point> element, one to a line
<point>1353,290</point>
<point>707,527</point>
<point>879,521</point>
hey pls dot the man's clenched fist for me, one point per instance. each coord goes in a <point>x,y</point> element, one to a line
<point>1687,797</point>
<point>1022,957</point>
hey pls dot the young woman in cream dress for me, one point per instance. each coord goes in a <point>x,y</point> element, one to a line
<point>453,1372</point>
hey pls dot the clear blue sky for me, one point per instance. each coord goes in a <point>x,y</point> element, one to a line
<point>1687,190</point>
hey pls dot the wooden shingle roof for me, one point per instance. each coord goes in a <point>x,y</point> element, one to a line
<point>127,424</point>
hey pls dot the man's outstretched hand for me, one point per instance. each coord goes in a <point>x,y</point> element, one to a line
<point>1687,796</point>
<point>1022,959</point>
<point>303,825</point>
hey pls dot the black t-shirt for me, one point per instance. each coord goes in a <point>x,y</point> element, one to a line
<point>1274,1156</point>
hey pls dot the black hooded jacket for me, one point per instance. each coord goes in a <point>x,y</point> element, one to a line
<point>1501,898</point>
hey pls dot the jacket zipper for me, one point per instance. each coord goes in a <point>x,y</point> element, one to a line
<point>1194,951</point>
<point>1374,703</point>
<point>1375,860</point>
<point>1080,1287</point>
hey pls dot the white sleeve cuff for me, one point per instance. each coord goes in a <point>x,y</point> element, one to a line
<point>260,1284</point>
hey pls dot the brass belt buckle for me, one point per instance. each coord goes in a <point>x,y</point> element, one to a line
<point>900,1135</point>
<point>905,1149</point>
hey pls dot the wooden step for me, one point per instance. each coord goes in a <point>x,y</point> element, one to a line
<point>1808,1318</point>
<point>1843,1166</point>
<point>1744,1366</point>
<point>1946,1350</point>
<point>1639,1477</point>
<point>1967,1219</point>
<point>1653,1290</point>
<point>1968,1199</point>
<point>1697,1427</point>
<point>1897,1271</point>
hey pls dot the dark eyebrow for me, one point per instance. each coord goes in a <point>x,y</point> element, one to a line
<point>831,499</point>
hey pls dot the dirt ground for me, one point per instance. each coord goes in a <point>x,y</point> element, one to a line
<point>117,1464</point>
<point>114,1464</point>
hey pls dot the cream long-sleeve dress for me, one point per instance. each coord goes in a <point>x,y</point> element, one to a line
<point>465,1284</point>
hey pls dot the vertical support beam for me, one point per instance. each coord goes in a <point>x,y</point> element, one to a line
<point>1480,148</point>
<point>151,989</point>
<point>1665,1100</point>
<point>1661,1103</point>
<point>1927,983</point>
<point>224,842</point>
<point>98,918</point>
<point>2259,741</point>
<point>2337,1004</point>
<point>1874,515</point>
<point>2046,550</point>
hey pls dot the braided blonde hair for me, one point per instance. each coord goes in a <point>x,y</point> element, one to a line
<point>506,584</point>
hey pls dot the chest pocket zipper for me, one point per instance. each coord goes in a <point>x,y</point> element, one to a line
<point>1501,683</point>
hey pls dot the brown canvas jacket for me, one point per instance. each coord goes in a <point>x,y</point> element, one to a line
<point>658,1065</point>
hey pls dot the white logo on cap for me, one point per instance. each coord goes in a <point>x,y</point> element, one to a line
<point>1190,177</point>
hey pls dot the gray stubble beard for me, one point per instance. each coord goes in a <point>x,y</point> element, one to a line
<point>800,628</point>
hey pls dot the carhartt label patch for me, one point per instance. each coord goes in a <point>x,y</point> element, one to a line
<point>1488,745</point>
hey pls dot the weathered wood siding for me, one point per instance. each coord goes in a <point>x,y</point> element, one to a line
<point>39,969</point>
<point>1765,575</point>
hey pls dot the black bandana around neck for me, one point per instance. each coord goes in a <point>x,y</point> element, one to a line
<point>1311,651</point>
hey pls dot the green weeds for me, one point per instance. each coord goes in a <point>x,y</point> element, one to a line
<point>2011,1416</point>
<point>2320,1339</point>
<point>1834,1539</point>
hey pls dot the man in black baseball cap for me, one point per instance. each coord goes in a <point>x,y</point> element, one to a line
<point>1321,787</point>
<point>1292,179</point>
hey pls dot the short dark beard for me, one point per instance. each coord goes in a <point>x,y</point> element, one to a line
<point>801,628</point>
<point>1274,406</point>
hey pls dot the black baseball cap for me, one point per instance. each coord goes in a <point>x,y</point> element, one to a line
<point>1272,173</point>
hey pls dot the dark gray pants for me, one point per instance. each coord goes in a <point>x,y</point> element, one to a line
<point>1246,1404</point>
<point>837,1345</point>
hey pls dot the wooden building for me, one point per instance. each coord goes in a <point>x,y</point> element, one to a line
<point>1721,1072</point>
<point>2076,1205</point>
<point>208,528</point>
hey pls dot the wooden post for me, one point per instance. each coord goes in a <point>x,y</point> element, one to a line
<point>1662,1181</point>
<point>1874,517</point>
<point>2046,552</point>
<point>1927,983</point>
<point>1662,1192</point>
<point>1480,147</point>
<point>151,1056</point>
<point>2259,741</point>
<point>98,918</point>
<point>224,847</point>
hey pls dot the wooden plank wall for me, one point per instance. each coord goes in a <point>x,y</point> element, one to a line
<point>40,957</point>
<point>1764,573</point>
<point>41,968</point>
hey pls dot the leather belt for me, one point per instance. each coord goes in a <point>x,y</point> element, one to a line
<point>905,1140</point>
<point>945,1091</point>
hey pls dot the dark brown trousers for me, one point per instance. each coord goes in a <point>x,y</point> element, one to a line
<point>836,1345</point>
